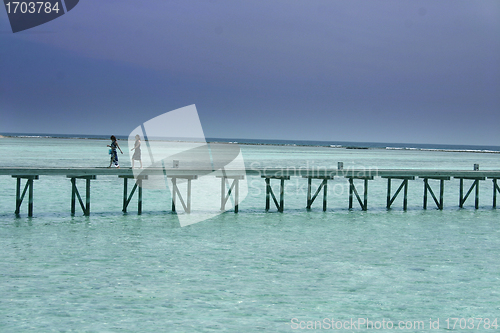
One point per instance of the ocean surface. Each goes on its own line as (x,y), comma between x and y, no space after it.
(252,271)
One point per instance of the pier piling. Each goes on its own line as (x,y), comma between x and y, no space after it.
(127,197)
(404,185)
(323,185)
(175,192)
(28,187)
(475,185)
(269,192)
(352,190)
(427,188)
(495,190)
(235,186)
(74,194)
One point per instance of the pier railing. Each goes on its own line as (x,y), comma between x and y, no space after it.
(29,175)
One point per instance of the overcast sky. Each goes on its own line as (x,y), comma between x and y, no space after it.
(383,71)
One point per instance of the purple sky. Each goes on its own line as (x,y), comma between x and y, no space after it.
(387,71)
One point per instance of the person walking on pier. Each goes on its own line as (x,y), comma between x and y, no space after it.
(114,155)
(137,152)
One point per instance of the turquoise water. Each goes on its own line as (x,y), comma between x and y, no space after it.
(246,272)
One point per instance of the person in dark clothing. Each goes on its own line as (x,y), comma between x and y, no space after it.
(112,151)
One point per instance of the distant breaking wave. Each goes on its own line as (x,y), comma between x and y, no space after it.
(275,142)
(448,150)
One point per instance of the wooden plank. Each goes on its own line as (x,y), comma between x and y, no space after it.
(139,199)
(125,193)
(19,199)
(87,197)
(435,177)
(471,178)
(320,177)
(282,195)
(30,197)
(309,184)
(399,177)
(237,196)
(325,193)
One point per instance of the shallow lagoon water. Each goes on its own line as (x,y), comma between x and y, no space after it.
(246,272)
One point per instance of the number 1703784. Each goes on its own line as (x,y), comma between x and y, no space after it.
(32,7)
(471,323)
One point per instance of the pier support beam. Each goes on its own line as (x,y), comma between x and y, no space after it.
(495,190)
(127,197)
(28,187)
(75,194)
(269,192)
(427,188)
(310,199)
(475,185)
(352,189)
(175,192)
(404,185)
(234,187)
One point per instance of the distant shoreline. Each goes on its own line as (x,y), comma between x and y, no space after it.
(291,143)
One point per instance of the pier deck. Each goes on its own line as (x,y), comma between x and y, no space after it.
(282,174)
(271,172)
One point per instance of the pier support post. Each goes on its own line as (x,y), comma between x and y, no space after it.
(352,190)
(269,192)
(310,199)
(475,185)
(175,192)
(74,194)
(496,189)
(234,187)
(404,185)
(28,187)
(127,197)
(427,188)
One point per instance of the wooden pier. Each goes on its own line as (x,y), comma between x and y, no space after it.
(30,175)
